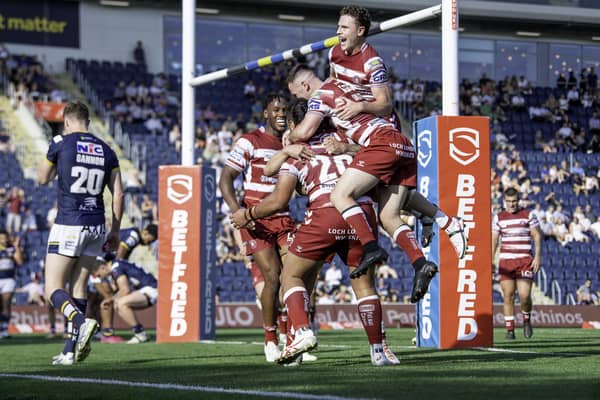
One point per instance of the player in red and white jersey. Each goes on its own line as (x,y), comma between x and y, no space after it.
(322,234)
(265,240)
(515,227)
(386,160)
(358,63)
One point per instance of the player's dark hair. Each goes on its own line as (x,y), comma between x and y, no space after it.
(296,110)
(510,192)
(360,14)
(271,97)
(297,70)
(77,110)
(4,232)
(106,257)
(152,229)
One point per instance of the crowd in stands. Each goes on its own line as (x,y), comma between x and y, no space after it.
(526,122)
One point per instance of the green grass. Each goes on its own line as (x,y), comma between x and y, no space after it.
(554,364)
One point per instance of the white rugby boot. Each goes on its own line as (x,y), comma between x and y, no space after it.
(378,356)
(140,337)
(304,340)
(63,359)
(458,236)
(389,354)
(272,352)
(83,347)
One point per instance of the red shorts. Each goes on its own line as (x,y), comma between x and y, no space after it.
(267,233)
(516,268)
(390,156)
(326,233)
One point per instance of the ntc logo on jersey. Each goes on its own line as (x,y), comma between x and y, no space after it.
(425,150)
(464,145)
(379,75)
(89,148)
(179,188)
(314,104)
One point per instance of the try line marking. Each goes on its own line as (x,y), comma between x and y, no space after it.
(544,353)
(206,389)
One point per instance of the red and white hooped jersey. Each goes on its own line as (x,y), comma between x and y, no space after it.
(249,156)
(515,232)
(365,68)
(333,92)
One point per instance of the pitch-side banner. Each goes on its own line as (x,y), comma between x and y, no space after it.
(454,172)
(186,259)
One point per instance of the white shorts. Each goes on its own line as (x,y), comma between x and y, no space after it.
(151,293)
(76,240)
(7,285)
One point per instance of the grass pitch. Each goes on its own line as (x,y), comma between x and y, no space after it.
(554,364)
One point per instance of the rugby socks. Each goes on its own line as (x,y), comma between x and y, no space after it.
(108,332)
(442,219)
(405,238)
(67,306)
(296,300)
(4,321)
(356,218)
(270,333)
(526,316)
(72,333)
(138,328)
(369,310)
(81,304)
(509,322)
(282,323)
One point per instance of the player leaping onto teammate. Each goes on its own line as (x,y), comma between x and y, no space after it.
(314,242)
(386,160)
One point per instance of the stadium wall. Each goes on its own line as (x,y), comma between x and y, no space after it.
(242,315)
(107,33)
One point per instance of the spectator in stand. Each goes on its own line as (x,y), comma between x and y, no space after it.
(576,232)
(249,89)
(153,124)
(587,100)
(563,173)
(224,139)
(517,101)
(573,96)
(139,55)
(561,232)
(595,228)
(383,290)
(333,278)
(546,227)
(593,145)
(131,91)
(594,123)
(592,79)
(590,184)
(29,220)
(385,271)
(563,103)
(586,295)
(175,137)
(577,170)
(572,81)
(3,202)
(148,208)
(16,201)
(561,81)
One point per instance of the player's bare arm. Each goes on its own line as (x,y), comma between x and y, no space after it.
(116,188)
(18,255)
(122,286)
(307,128)
(123,251)
(382,106)
(537,240)
(226,180)
(46,172)
(336,147)
(298,151)
(495,237)
(274,202)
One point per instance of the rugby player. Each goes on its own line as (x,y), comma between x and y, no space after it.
(11,256)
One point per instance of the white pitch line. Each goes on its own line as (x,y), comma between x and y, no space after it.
(207,389)
(544,353)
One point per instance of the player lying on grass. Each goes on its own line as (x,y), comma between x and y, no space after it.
(322,234)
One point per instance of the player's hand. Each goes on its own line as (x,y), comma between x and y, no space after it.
(106,304)
(348,109)
(333,146)
(299,151)
(285,138)
(239,220)
(536,264)
(112,242)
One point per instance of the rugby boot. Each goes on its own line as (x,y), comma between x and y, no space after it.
(140,337)
(63,359)
(527,329)
(304,341)
(379,358)
(83,347)
(458,236)
(371,258)
(510,335)
(426,230)
(307,357)
(423,276)
(272,352)
(389,354)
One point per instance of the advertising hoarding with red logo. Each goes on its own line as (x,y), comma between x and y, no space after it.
(454,168)
(187,227)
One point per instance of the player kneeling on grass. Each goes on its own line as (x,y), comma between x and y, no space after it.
(136,290)
(322,234)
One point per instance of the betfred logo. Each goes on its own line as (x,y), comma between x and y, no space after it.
(179,188)
(89,148)
(425,149)
(464,145)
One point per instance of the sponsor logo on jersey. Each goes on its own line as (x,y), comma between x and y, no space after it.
(179,188)
(464,145)
(314,104)
(379,76)
(89,148)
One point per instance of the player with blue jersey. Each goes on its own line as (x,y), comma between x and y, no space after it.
(130,238)
(136,290)
(85,165)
